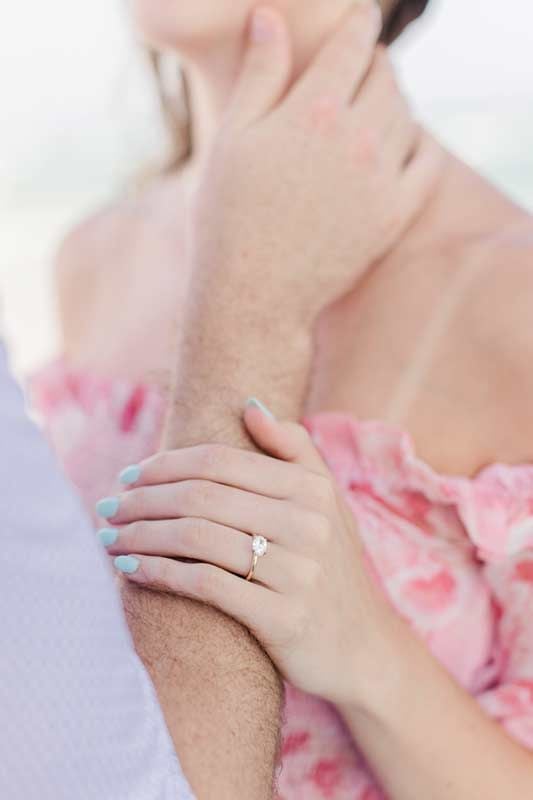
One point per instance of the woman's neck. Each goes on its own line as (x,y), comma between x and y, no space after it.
(464,207)
(412,344)
(463,204)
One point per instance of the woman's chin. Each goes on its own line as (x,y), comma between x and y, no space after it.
(186,26)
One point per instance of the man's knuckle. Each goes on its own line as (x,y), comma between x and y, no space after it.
(324,114)
(366,147)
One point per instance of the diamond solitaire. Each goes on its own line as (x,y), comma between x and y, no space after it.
(259,546)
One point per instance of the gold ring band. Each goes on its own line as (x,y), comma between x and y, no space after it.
(259,549)
(255,559)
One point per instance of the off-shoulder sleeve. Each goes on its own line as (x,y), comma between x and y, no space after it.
(510,699)
(454,554)
(495,508)
(79,714)
(96,424)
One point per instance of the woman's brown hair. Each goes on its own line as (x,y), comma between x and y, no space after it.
(177,112)
(404,12)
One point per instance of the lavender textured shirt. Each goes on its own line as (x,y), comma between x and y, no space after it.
(78,714)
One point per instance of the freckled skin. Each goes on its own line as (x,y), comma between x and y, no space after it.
(368,345)
(365,148)
(324,115)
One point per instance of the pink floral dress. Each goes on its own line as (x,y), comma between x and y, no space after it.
(455,557)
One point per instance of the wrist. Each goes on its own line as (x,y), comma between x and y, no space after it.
(232,349)
(261,296)
(381,666)
(239,319)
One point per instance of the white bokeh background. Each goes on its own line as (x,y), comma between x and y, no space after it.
(77,117)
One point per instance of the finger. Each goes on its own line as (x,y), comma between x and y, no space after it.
(253,472)
(207,542)
(295,527)
(266,70)
(343,62)
(382,106)
(254,606)
(419,180)
(280,521)
(283,440)
(401,142)
(379,97)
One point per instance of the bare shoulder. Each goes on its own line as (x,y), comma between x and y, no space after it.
(87,253)
(114,253)
(504,288)
(99,243)
(473,407)
(501,318)
(86,241)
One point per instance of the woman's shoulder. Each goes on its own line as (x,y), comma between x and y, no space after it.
(102,254)
(115,228)
(78,265)
(497,325)
(505,284)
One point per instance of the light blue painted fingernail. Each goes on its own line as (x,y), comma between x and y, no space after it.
(108,507)
(108,536)
(253,402)
(127,564)
(130,475)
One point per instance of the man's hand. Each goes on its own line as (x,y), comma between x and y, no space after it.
(311,181)
(306,187)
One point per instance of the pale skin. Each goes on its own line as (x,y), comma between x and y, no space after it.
(393,392)
(314,607)
(264,103)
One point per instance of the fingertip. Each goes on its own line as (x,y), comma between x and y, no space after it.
(127,565)
(254,403)
(264,429)
(259,420)
(107,536)
(130,475)
(372,8)
(266,68)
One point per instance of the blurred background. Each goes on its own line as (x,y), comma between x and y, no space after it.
(78,118)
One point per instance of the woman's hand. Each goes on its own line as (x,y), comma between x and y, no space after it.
(311,604)
(312,180)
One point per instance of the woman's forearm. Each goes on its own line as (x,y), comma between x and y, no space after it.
(425,737)
(220,692)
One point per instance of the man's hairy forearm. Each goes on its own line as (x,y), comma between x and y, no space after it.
(219,691)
